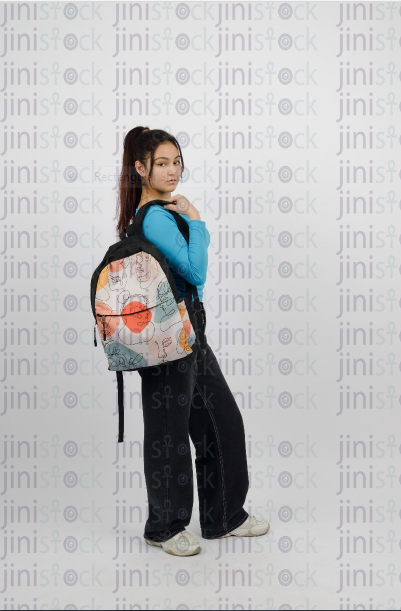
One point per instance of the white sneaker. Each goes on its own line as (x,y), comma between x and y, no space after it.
(182,544)
(252,527)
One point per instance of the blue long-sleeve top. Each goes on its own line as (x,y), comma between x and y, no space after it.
(186,260)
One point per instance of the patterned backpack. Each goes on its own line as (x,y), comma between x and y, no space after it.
(141,319)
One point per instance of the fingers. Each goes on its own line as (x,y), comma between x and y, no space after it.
(182,205)
(177,198)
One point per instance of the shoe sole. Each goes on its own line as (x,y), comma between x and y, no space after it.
(157,544)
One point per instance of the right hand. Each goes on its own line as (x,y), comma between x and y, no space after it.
(183,206)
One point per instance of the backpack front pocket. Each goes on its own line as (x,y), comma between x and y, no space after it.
(146,336)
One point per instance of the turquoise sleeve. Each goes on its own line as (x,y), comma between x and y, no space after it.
(188,260)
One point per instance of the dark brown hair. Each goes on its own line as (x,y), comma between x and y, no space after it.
(139,145)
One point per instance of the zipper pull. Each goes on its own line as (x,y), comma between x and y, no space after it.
(104,328)
(94,336)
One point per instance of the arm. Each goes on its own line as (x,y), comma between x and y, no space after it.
(188,260)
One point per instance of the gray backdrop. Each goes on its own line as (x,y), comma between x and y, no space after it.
(288,115)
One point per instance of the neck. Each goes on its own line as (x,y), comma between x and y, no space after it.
(146,198)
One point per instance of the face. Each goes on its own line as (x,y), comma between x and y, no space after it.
(166,167)
(144,266)
(166,297)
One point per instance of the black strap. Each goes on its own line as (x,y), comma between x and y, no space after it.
(190,289)
(120,391)
(136,227)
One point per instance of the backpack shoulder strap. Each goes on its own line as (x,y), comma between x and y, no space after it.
(120,392)
(136,225)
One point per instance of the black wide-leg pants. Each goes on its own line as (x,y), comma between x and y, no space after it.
(190,398)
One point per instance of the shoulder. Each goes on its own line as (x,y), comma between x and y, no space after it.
(160,214)
(159,222)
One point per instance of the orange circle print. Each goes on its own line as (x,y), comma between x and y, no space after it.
(136,316)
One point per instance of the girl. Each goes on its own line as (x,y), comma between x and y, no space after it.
(186,398)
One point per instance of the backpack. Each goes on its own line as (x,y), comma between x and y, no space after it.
(141,319)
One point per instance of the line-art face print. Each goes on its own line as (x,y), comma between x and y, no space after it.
(143,323)
(120,356)
(117,275)
(167,303)
(145,268)
(177,337)
(122,298)
(163,345)
(169,322)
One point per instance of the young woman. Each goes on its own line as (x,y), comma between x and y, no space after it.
(186,398)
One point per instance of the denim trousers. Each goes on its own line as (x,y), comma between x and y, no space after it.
(190,399)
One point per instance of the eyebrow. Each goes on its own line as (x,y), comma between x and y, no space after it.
(166,158)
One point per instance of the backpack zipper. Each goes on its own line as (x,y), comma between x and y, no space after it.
(103,316)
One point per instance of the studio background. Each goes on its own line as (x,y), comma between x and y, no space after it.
(288,115)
